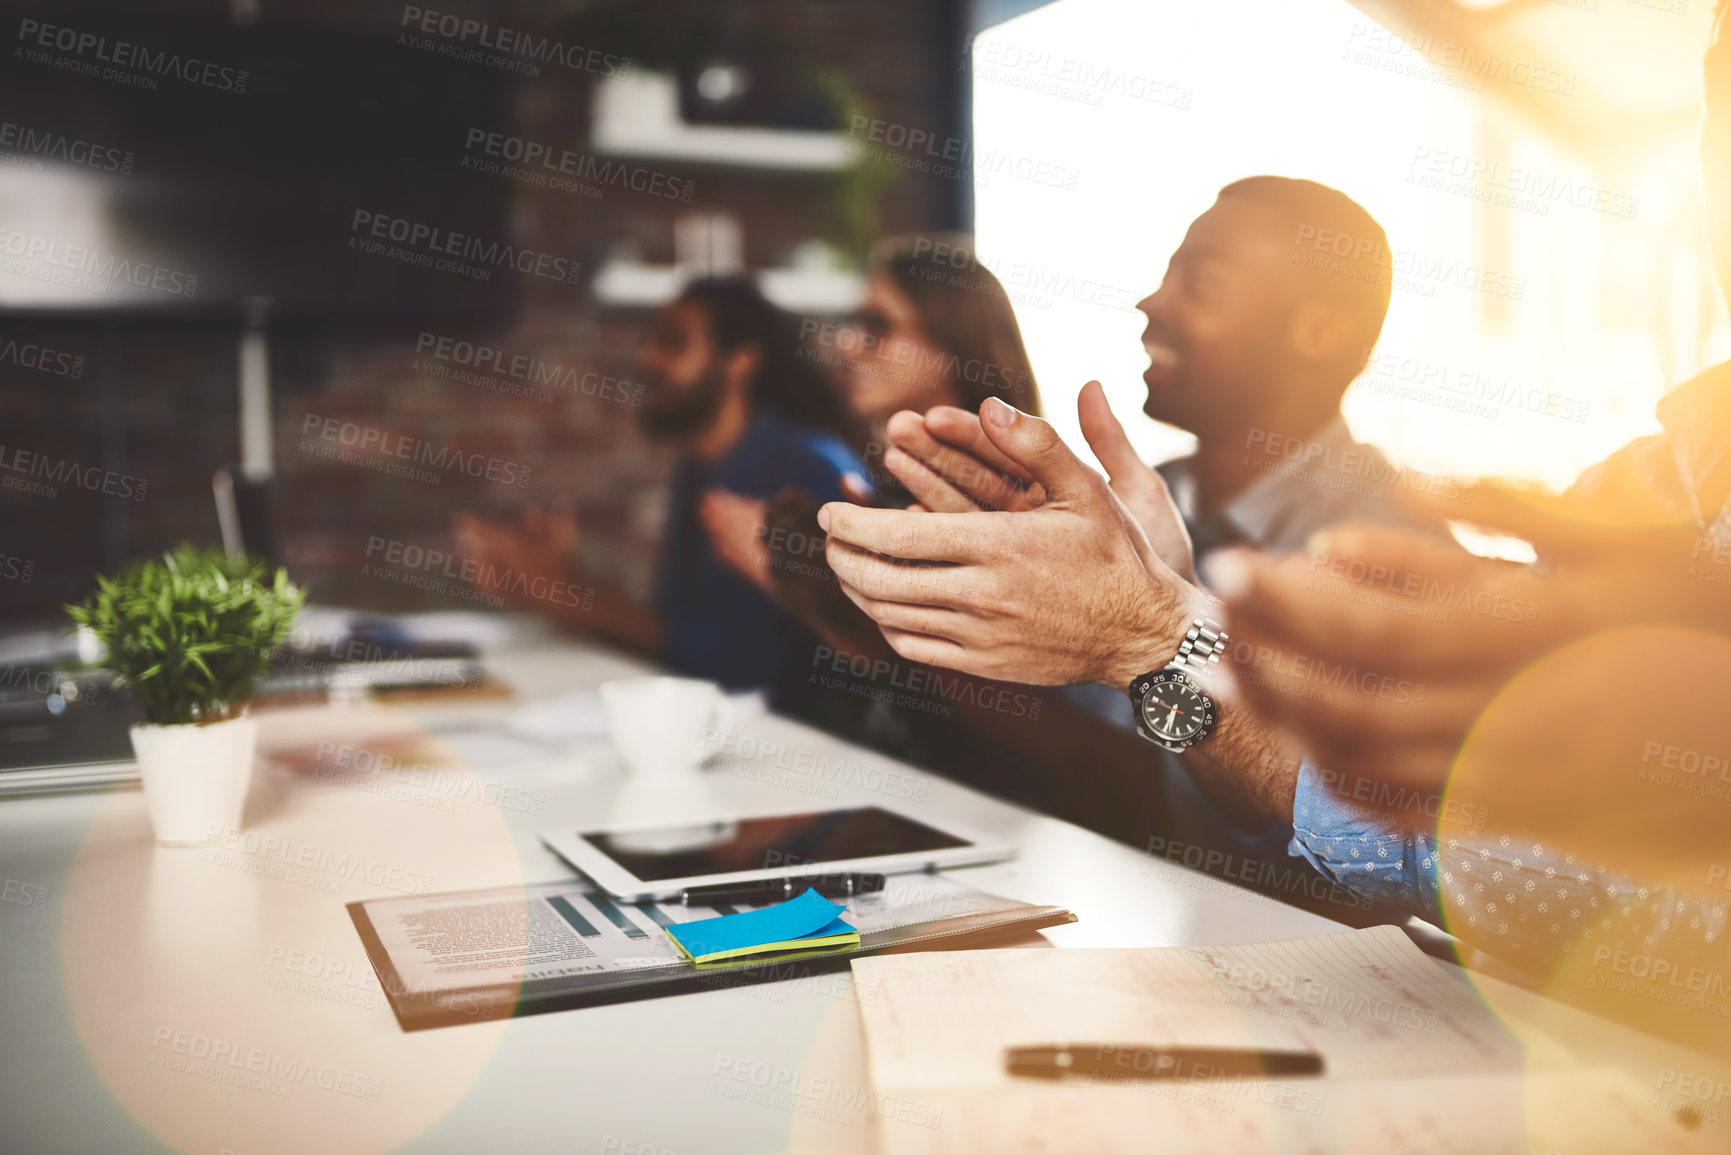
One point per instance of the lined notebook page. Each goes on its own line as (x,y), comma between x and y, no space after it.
(1369,1001)
(1416,1063)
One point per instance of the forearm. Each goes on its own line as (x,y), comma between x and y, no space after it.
(1248,760)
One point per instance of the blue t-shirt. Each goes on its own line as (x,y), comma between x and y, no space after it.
(717,624)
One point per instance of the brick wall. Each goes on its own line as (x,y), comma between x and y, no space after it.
(158,399)
(576,444)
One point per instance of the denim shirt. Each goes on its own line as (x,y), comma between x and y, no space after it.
(1508,894)
(718,624)
(1511,896)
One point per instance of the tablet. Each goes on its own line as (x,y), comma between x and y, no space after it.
(654,863)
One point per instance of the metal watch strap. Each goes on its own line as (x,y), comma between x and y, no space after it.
(1202,645)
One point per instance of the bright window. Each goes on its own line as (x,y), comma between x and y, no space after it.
(1150,106)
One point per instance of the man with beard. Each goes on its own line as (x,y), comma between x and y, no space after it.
(724,383)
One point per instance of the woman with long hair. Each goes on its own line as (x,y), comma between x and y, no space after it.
(935,328)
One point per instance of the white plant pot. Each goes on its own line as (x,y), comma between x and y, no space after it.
(195,778)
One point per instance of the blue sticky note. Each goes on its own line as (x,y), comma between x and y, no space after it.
(807,921)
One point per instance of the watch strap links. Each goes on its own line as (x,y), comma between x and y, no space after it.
(1202,646)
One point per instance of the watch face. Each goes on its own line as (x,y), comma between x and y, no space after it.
(1175,711)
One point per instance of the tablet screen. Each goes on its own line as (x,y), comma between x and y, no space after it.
(768,843)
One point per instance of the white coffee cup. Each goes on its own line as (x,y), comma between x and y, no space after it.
(664,725)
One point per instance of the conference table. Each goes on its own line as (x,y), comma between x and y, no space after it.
(144,985)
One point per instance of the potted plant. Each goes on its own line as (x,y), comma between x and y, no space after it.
(189,634)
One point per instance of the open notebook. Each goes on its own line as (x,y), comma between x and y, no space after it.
(1415,1061)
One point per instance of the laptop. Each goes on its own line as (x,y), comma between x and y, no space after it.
(64,727)
(62,731)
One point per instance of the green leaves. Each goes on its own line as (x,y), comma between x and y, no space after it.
(191,633)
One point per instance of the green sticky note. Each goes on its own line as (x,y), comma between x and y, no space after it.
(808,922)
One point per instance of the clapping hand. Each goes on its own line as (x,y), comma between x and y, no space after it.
(950,465)
(507,558)
(1065,589)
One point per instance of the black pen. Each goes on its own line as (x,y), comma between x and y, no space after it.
(1113,1061)
(832,886)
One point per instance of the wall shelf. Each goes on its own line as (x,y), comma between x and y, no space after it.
(637,115)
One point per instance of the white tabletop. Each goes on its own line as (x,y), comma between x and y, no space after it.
(166,999)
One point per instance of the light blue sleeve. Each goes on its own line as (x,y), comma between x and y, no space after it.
(1359,849)
(1509,896)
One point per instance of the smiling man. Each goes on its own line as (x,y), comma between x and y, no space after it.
(1268,311)
(1073,583)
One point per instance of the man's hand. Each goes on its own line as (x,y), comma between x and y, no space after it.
(1413,633)
(736,529)
(540,545)
(949,464)
(1631,561)
(1142,490)
(1567,706)
(1442,631)
(1068,591)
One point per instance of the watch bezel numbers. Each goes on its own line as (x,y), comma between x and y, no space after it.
(1147,682)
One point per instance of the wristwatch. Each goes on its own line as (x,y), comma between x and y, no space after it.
(1172,709)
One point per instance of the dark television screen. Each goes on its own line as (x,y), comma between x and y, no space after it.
(240,158)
